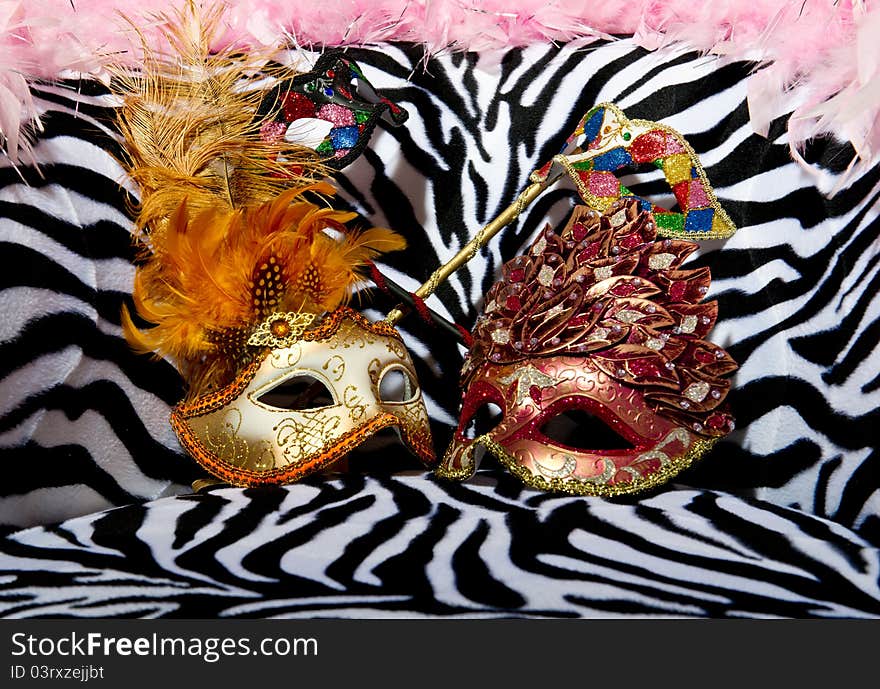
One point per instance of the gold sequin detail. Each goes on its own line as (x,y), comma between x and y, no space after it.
(696,392)
(603,272)
(677,168)
(629,316)
(574,487)
(618,218)
(660,261)
(688,324)
(500,336)
(545,276)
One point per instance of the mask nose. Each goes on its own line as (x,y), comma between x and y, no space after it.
(476,427)
(462,458)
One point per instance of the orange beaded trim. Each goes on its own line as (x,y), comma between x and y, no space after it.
(333,320)
(215,400)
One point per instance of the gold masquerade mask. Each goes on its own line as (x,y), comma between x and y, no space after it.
(251,433)
(246,270)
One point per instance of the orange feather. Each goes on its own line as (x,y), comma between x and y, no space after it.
(231,225)
(201,282)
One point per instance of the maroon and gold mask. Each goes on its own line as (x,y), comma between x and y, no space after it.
(593,346)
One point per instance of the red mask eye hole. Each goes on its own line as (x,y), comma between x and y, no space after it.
(483,420)
(580,430)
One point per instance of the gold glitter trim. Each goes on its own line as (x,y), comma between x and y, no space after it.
(660,262)
(575,487)
(454,474)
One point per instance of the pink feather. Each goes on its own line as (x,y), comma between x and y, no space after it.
(818,59)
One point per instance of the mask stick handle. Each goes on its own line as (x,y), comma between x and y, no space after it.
(469,250)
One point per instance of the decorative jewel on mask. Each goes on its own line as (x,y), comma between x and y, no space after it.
(281,330)
(332,109)
(599,321)
(611,142)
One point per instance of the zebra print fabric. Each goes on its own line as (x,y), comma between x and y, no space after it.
(781,519)
(401,545)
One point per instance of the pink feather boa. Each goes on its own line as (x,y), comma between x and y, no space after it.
(819,58)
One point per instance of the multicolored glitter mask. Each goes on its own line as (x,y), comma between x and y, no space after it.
(332,109)
(596,324)
(246,270)
(610,142)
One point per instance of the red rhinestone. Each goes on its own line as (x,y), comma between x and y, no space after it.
(648,147)
(677,290)
(517,275)
(578,232)
(644,368)
(681,191)
(630,241)
(704,357)
(513,304)
(716,421)
(591,251)
(535,393)
(623,289)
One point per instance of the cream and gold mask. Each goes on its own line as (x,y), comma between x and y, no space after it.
(246,434)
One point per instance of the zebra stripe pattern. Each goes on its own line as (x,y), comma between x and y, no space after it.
(406,547)
(781,519)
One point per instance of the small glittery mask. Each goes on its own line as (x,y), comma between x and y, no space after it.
(310,396)
(608,142)
(332,109)
(592,345)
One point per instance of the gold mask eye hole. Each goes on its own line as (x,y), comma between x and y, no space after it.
(298,393)
(397,386)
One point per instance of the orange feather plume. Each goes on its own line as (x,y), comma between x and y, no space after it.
(218,273)
(233,226)
(189,120)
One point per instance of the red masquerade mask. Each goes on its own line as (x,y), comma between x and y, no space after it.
(596,323)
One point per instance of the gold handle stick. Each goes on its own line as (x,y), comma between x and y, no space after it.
(469,250)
